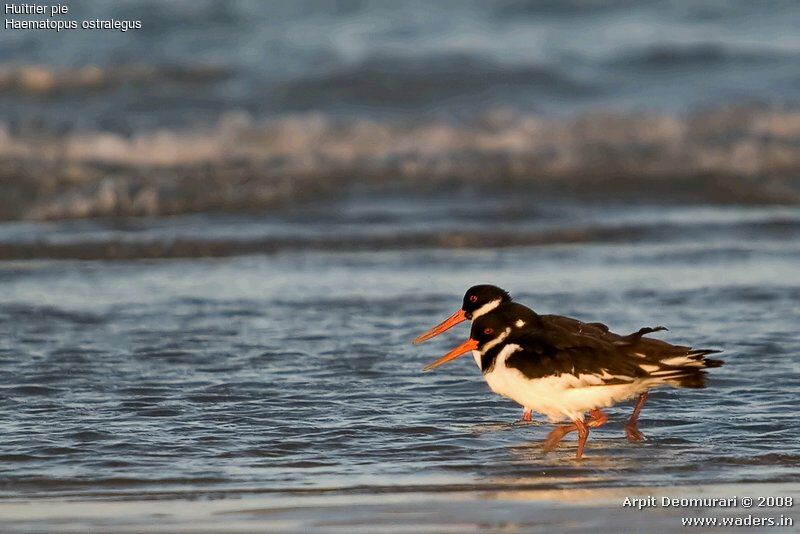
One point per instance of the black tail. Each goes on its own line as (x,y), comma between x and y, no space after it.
(680,367)
(692,374)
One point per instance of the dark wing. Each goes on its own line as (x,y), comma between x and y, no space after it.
(651,353)
(596,329)
(595,361)
(556,352)
(574,325)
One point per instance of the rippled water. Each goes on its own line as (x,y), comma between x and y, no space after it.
(316,184)
(293,371)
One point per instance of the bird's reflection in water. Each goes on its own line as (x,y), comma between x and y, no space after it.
(486,428)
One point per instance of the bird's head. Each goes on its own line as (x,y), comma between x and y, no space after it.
(488,331)
(478,301)
(481,299)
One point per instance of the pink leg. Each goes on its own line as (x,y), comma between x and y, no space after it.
(556,435)
(632,426)
(597,419)
(583,435)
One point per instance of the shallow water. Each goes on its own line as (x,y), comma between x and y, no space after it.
(293,371)
(316,183)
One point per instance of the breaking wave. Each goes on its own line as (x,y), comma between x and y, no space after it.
(738,154)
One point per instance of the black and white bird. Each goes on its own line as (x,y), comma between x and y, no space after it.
(484,298)
(563,374)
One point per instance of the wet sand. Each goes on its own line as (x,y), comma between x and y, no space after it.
(577,510)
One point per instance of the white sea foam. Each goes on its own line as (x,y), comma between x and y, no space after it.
(734,154)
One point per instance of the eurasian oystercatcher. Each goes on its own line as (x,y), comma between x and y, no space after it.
(564,374)
(483,298)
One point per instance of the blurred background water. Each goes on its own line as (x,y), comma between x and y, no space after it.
(221,231)
(252,106)
(195,60)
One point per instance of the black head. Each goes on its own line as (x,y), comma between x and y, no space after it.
(488,330)
(492,328)
(480,299)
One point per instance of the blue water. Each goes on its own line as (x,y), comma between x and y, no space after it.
(194,61)
(293,370)
(342,172)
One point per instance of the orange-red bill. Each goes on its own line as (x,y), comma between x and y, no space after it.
(445,325)
(465,347)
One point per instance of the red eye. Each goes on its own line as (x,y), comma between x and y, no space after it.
(473,298)
(487,330)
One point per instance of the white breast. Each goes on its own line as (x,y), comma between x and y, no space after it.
(558,397)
